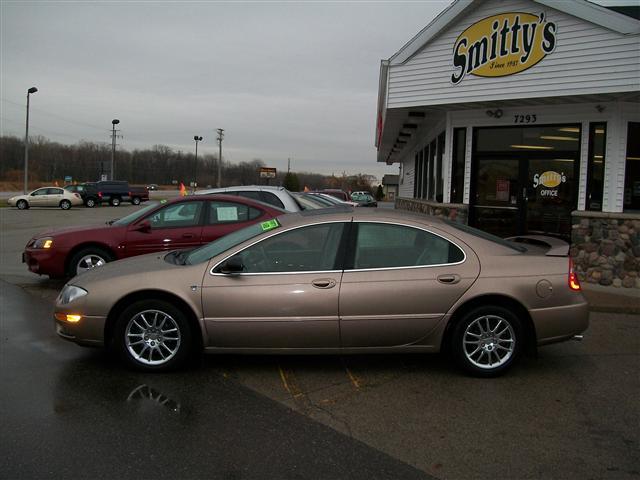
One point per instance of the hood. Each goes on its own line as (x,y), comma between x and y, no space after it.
(144,271)
(53,232)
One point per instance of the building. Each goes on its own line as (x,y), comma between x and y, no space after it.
(523,117)
(390,187)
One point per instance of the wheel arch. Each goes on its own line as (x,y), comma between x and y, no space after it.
(82,246)
(499,300)
(124,302)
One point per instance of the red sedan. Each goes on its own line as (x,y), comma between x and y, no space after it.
(178,224)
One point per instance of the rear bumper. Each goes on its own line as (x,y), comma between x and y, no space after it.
(557,324)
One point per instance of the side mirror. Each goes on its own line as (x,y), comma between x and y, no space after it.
(144,227)
(232,265)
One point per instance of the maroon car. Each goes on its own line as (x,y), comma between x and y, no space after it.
(183,223)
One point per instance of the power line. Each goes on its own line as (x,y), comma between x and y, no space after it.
(55,115)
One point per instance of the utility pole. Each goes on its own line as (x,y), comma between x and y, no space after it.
(114,122)
(26,143)
(220,137)
(288,165)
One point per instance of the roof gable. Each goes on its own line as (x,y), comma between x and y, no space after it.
(582,9)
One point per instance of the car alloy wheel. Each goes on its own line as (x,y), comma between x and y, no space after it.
(22,205)
(135,201)
(90,203)
(153,335)
(115,202)
(88,259)
(65,204)
(487,341)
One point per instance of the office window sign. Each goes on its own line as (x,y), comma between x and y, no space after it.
(549,182)
(503,45)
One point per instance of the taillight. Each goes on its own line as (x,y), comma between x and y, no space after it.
(100,194)
(129,193)
(574,283)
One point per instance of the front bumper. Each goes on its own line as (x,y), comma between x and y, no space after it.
(44,261)
(88,331)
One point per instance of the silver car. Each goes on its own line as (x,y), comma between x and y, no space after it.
(46,197)
(339,281)
(277,196)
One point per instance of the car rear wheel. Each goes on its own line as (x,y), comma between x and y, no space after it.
(65,204)
(90,203)
(22,205)
(115,201)
(487,341)
(153,335)
(135,201)
(88,258)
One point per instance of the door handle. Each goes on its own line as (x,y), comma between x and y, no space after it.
(324,283)
(187,235)
(449,279)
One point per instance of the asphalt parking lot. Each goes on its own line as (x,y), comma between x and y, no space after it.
(572,412)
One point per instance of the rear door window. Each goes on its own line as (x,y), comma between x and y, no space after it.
(272,199)
(228,212)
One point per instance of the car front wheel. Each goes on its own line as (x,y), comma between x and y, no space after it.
(115,201)
(90,203)
(86,259)
(153,335)
(135,201)
(65,204)
(22,205)
(487,341)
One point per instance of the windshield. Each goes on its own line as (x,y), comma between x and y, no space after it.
(132,217)
(210,250)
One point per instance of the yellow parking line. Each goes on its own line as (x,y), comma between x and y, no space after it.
(353,378)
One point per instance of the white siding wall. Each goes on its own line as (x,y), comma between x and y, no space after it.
(587,59)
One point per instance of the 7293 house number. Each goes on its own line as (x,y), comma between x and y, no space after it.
(525,119)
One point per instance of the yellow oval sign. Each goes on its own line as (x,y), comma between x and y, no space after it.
(550,179)
(503,45)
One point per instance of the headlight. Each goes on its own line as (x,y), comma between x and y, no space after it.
(44,242)
(71,293)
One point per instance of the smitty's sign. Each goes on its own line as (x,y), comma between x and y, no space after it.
(503,45)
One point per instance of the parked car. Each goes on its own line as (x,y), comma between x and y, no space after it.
(309,202)
(46,197)
(186,222)
(88,192)
(152,186)
(364,199)
(277,196)
(353,280)
(115,192)
(335,192)
(332,199)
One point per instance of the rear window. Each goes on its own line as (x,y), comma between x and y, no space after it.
(486,236)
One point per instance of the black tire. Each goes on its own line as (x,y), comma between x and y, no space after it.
(161,341)
(65,204)
(487,341)
(90,202)
(82,259)
(135,201)
(22,205)
(115,201)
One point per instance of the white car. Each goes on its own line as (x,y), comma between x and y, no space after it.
(46,197)
(277,196)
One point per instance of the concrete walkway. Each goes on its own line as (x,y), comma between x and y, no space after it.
(611,299)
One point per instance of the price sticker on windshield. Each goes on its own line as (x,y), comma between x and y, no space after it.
(269,225)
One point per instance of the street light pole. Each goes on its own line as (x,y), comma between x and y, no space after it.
(220,137)
(195,170)
(114,122)
(26,143)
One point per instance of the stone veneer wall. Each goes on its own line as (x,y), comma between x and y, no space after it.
(453,211)
(606,248)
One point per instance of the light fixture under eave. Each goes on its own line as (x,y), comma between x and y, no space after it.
(557,137)
(531,147)
(633,158)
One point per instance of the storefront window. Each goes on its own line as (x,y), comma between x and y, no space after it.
(441,139)
(595,166)
(632,169)
(457,167)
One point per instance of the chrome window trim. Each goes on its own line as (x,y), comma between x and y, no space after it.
(211,270)
(407,267)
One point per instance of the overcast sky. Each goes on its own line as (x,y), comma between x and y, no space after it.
(284,80)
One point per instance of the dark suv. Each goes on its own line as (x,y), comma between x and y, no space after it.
(113,192)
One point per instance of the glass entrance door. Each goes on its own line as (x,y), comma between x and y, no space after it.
(525,180)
